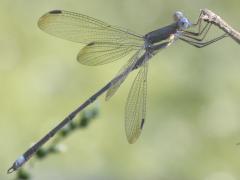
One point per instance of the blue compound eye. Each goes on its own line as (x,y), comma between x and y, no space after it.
(183,23)
(177,15)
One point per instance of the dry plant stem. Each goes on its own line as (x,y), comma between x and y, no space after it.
(209,16)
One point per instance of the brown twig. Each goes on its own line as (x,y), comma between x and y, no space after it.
(209,16)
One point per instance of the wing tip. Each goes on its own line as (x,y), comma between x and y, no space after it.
(42,20)
(134,138)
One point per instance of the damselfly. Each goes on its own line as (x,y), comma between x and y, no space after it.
(105,44)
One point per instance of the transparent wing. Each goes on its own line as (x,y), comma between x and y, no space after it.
(97,53)
(116,84)
(81,28)
(135,111)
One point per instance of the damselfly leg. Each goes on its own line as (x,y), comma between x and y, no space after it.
(200,35)
(197,38)
(203,44)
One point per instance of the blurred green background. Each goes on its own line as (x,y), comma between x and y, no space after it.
(193,115)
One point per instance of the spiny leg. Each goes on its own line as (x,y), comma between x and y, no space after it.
(199,31)
(199,19)
(194,36)
(203,44)
(199,24)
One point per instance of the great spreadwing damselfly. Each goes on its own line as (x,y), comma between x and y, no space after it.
(105,44)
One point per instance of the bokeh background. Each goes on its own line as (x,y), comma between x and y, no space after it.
(193,115)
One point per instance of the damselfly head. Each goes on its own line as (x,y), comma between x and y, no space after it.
(182,22)
(177,16)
